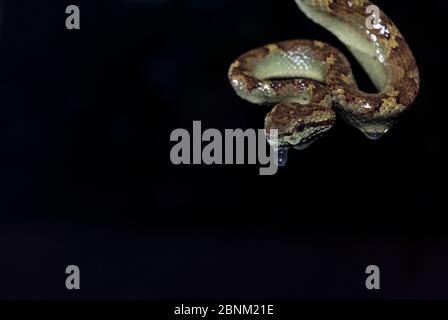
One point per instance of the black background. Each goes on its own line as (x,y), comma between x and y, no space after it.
(86,177)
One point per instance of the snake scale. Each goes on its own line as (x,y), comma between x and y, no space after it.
(307,81)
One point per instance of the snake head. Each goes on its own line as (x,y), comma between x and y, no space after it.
(298,125)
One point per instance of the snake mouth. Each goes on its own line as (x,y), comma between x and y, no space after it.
(375,135)
(283,147)
(322,130)
(303,146)
(300,140)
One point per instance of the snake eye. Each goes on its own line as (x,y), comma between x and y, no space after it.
(300,127)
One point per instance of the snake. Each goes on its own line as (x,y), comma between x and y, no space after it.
(310,83)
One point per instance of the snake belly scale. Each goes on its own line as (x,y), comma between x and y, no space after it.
(308,81)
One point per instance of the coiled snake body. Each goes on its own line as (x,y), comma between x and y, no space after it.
(307,80)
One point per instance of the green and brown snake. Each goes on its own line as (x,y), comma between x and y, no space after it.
(308,81)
